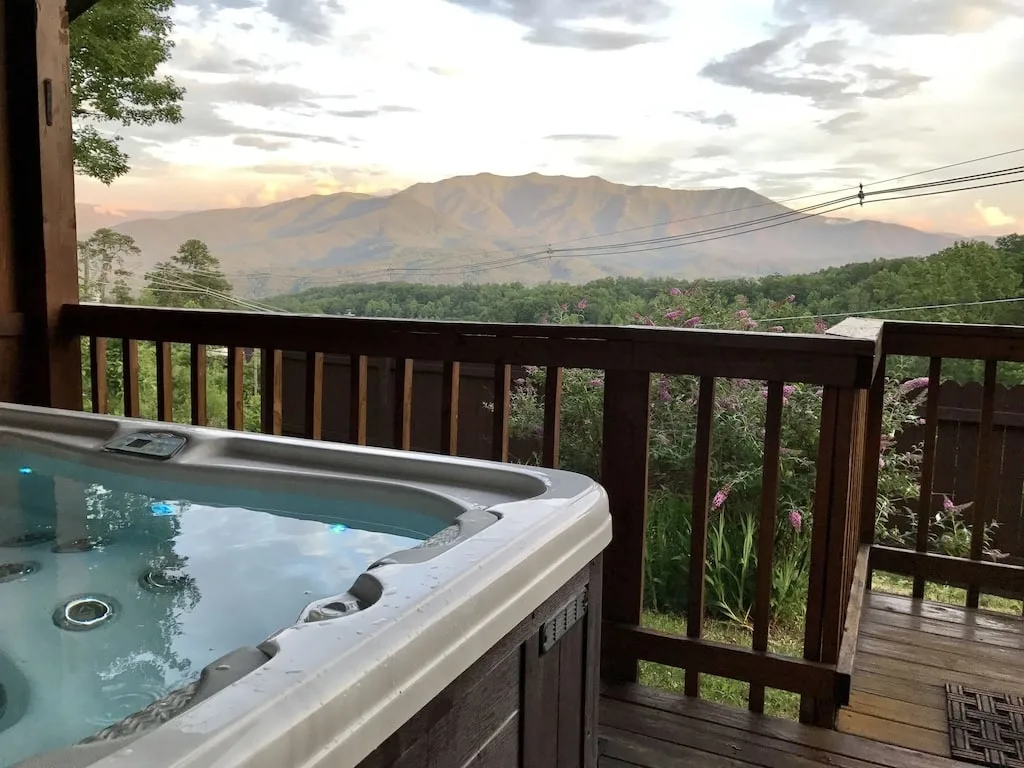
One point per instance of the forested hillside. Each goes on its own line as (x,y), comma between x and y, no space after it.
(961,275)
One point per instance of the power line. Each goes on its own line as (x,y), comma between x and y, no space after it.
(889,310)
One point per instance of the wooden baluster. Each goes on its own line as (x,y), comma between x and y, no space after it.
(931,431)
(624,451)
(164,382)
(403,404)
(502,411)
(130,375)
(699,525)
(314,420)
(872,453)
(98,373)
(271,361)
(983,472)
(766,529)
(552,416)
(833,506)
(198,377)
(358,370)
(819,540)
(236,388)
(450,409)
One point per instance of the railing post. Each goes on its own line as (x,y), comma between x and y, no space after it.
(624,476)
(841,485)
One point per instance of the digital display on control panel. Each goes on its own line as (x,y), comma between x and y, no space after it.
(153,445)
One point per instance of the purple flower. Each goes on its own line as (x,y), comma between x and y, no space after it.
(674,291)
(565,307)
(947,503)
(720,497)
(796,519)
(776,329)
(596,382)
(820,326)
(693,321)
(790,299)
(538,431)
(663,390)
(581,304)
(913,384)
(743,314)
(675,314)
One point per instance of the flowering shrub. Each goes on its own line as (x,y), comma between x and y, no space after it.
(737,457)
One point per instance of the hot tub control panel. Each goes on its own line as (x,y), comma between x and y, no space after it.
(152,445)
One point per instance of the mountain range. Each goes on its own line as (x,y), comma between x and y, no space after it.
(489,228)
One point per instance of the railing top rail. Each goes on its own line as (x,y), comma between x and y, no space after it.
(954,340)
(816,359)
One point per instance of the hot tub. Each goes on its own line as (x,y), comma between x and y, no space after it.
(193,597)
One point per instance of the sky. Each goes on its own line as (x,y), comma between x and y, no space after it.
(287,98)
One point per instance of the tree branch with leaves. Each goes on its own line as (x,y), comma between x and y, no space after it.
(117,47)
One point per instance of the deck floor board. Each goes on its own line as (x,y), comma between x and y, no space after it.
(908,650)
(646,728)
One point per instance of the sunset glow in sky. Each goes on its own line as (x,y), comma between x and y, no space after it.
(287,98)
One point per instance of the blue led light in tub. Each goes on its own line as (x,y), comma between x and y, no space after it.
(25,471)
(161,509)
(339,528)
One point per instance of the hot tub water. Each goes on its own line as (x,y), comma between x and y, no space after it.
(112,596)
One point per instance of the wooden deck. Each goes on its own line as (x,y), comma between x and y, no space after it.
(644,728)
(908,650)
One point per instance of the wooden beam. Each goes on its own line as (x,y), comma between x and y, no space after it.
(41,198)
(955,571)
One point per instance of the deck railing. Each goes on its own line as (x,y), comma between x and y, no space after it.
(842,366)
(939,342)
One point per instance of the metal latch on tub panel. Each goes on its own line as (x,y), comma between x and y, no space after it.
(565,618)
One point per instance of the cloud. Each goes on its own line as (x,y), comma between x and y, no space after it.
(886,17)
(581,137)
(260,143)
(711,150)
(722,119)
(841,123)
(992,215)
(571,23)
(654,169)
(192,57)
(259,93)
(827,52)
(779,66)
(308,20)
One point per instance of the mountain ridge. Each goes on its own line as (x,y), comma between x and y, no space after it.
(486,227)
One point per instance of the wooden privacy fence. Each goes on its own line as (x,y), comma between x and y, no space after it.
(842,367)
(956,452)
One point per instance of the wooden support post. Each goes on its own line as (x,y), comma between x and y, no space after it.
(37,204)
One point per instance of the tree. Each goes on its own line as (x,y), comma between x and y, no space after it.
(116,48)
(192,278)
(101,270)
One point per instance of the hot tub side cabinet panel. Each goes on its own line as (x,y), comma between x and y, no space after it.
(529,702)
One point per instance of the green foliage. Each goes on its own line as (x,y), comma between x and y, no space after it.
(116,48)
(102,275)
(192,278)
